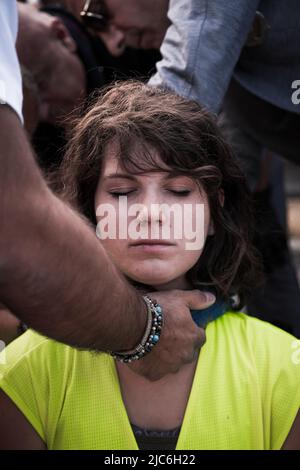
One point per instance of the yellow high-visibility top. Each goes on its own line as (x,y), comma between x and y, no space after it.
(245,394)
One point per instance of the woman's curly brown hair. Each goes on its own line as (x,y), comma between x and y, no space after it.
(143,119)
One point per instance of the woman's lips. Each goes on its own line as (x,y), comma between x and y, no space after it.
(151,241)
(151,246)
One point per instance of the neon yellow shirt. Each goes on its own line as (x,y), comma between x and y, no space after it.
(245,394)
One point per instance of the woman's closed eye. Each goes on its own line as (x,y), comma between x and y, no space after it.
(121,192)
(177,192)
(126,192)
(180,192)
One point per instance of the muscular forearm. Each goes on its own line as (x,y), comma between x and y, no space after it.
(54,273)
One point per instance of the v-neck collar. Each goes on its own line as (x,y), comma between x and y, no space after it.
(191,408)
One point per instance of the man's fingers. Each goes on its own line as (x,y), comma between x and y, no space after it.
(181,338)
(198,300)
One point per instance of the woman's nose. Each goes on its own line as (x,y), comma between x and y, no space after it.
(114,39)
(151,212)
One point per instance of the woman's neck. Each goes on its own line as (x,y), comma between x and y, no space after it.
(179,283)
(168,396)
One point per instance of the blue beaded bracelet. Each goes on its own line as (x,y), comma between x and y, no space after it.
(151,336)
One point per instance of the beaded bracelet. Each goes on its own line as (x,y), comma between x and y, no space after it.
(151,336)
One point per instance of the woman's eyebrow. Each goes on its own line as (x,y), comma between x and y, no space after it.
(168,175)
(119,175)
(174,174)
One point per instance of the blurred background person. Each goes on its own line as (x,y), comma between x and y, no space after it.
(47,50)
(67,62)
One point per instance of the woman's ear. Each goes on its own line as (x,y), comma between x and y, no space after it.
(59,31)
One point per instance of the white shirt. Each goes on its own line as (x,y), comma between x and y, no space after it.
(10,74)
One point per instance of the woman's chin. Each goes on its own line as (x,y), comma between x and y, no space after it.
(152,280)
(162,282)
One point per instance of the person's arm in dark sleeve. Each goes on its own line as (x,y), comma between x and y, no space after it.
(202,47)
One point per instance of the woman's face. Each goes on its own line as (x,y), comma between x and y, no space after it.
(153,225)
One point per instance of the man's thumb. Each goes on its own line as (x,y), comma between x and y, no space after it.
(198,300)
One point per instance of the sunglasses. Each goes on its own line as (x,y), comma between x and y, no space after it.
(98,19)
